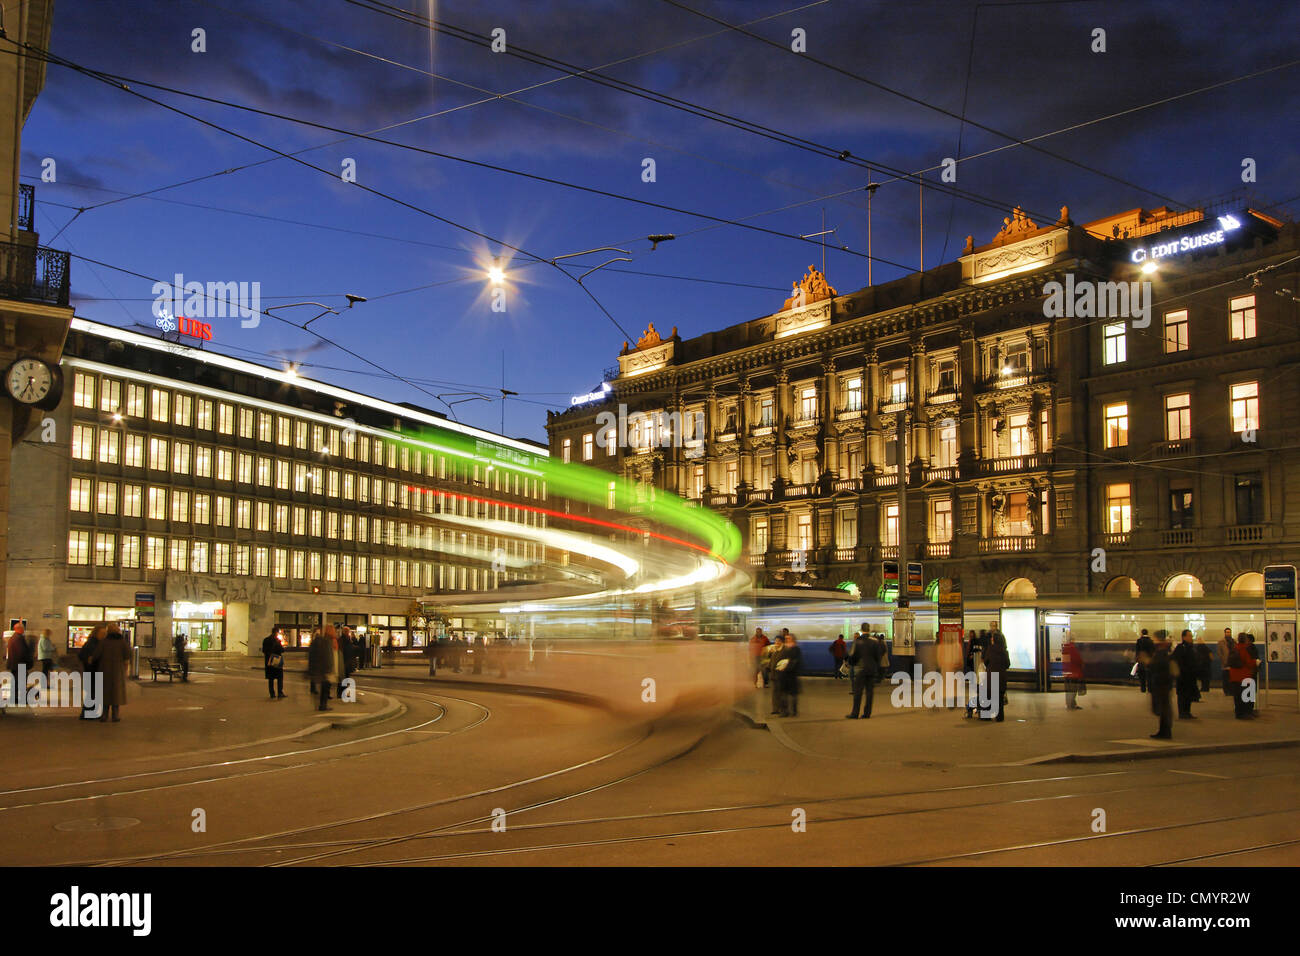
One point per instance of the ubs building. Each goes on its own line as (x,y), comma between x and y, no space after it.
(181,491)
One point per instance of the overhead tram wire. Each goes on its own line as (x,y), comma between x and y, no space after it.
(120,83)
(749,126)
(123,83)
(875,84)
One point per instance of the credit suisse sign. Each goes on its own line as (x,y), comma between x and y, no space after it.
(1203,236)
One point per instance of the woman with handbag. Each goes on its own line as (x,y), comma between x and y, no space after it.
(273,659)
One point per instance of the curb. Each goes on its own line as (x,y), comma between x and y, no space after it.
(395,708)
(1175,750)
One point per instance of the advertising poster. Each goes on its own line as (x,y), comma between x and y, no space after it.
(1280,646)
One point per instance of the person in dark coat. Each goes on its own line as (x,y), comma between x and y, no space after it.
(1161,674)
(838,652)
(997,661)
(775,650)
(1144,648)
(111,659)
(974,662)
(1242,672)
(1203,664)
(788,668)
(181,646)
(1189,669)
(865,659)
(273,661)
(86,655)
(321,664)
(1072,671)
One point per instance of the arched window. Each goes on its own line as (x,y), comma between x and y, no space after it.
(1247,584)
(1020,589)
(1184,586)
(1123,587)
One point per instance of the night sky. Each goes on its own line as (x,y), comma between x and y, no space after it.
(306,235)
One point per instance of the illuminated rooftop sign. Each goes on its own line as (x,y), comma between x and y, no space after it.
(591,396)
(1188,243)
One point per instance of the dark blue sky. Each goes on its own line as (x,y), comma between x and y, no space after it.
(1032,72)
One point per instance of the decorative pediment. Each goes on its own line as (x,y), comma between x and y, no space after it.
(805,319)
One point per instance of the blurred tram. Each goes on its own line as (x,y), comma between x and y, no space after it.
(1104,629)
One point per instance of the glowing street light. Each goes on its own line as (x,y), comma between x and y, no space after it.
(496,273)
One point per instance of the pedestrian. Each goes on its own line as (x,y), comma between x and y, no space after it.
(757,644)
(181,646)
(1161,674)
(46,652)
(343,662)
(1143,650)
(1226,648)
(838,652)
(358,649)
(86,655)
(773,656)
(788,668)
(111,659)
(1203,664)
(948,657)
(864,658)
(971,662)
(432,653)
(1241,672)
(273,661)
(1189,669)
(1072,671)
(16,652)
(996,664)
(315,634)
(322,664)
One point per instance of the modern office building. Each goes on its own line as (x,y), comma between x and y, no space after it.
(1081,410)
(185,491)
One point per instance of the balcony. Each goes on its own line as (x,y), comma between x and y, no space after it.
(610,373)
(1117,539)
(849,412)
(722,500)
(1245,534)
(888,552)
(26,206)
(1179,537)
(759,494)
(946,473)
(942,395)
(762,428)
(726,433)
(850,555)
(996,466)
(33,273)
(893,403)
(1009,544)
(938,549)
(807,421)
(1179,448)
(799,491)
(885,480)
(846,484)
(1014,379)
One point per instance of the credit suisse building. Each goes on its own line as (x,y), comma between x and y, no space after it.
(1046,426)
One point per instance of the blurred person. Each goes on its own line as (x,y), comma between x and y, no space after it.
(948,659)
(322,665)
(838,652)
(1072,671)
(17,652)
(273,663)
(347,658)
(1143,650)
(45,651)
(1161,674)
(788,668)
(773,656)
(971,662)
(432,653)
(757,644)
(111,659)
(1204,664)
(1189,669)
(315,633)
(1242,666)
(997,661)
(341,648)
(865,659)
(1226,648)
(87,654)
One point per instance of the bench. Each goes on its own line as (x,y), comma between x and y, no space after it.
(161,665)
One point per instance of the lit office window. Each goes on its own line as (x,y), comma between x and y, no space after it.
(155,553)
(345,568)
(281,517)
(265,427)
(280,563)
(808,402)
(1245,406)
(890,530)
(226,419)
(803,533)
(202,508)
(180,506)
(1242,317)
(1176,326)
(199,558)
(105,549)
(83,390)
(244,514)
(132,496)
(588,446)
(1178,417)
(245,423)
(110,395)
(242,563)
(223,511)
(313,566)
(225,461)
(135,400)
(298,565)
(106,498)
(853,394)
(182,410)
(566,450)
(130,551)
(244,468)
(80,497)
(203,418)
(1115,342)
(1116,417)
(134,457)
(181,458)
(158,455)
(220,558)
(157,504)
(264,471)
(941,520)
(261,562)
(202,462)
(282,430)
(264,515)
(1119,514)
(299,520)
(160,405)
(179,559)
(299,434)
(83,442)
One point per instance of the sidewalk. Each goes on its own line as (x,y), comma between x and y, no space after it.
(1114,724)
(212,712)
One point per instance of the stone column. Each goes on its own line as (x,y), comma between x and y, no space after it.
(782,393)
(873,447)
(746,450)
(968,422)
(830,446)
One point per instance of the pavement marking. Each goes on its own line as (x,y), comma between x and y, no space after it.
(1146,742)
(1197,773)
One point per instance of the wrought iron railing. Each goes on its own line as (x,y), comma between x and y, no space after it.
(33,273)
(26,206)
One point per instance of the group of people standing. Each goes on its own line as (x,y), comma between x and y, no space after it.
(333,656)
(778,663)
(1184,672)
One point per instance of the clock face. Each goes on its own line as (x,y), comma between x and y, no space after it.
(29,380)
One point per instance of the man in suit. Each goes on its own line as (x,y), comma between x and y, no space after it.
(1161,674)
(865,659)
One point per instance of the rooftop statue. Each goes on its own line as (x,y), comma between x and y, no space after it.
(812,288)
(1017,227)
